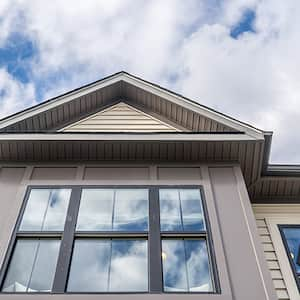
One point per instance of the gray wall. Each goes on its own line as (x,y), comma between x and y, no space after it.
(242,269)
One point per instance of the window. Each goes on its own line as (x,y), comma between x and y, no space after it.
(291,239)
(111,240)
(38,238)
(110,248)
(186,266)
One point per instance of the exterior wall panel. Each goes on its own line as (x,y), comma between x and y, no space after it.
(45,173)
(10,202)
(243,255)
(239,264)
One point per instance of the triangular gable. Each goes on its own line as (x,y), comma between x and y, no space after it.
(120,117)
(66,109)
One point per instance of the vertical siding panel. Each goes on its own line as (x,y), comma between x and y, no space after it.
(190,119)
(173,113)
(184,117)
(171,152)
(196,122)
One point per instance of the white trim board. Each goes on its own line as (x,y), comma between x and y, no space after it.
(124,137)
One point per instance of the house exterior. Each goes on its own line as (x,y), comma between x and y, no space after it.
(122,189)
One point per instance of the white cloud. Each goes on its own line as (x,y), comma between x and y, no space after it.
(184,45)
(14,96)
(254,78)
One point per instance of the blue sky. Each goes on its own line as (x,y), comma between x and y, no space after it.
(245,24)
(237,56)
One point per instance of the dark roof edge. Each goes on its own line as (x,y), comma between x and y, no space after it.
(190,100)
(62,95)
(138,78)
(283,170)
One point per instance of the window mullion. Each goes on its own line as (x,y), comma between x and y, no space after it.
(155,264)
(65,252)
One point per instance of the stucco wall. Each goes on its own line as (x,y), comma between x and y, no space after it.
(242,269)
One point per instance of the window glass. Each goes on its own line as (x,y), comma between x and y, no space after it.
(181,210)
(113,210)
(192,211)
(109,266)
(185,266)
(46,210)
(95,212)
(131,210)
(32,266)
(292,237)
(170,212)
(90,266)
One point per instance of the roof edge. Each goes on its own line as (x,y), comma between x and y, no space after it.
(129,78)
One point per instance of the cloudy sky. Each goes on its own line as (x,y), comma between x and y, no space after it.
(240,57)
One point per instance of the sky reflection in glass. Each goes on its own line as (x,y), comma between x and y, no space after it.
(181,210)
(109,266)
(32,267)
(185,266)
(46,210)
(113,210)
(292,236)
(95,212)
(131,210)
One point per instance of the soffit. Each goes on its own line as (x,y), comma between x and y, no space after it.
(275,189)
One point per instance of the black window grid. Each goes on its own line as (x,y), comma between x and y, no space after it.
(154,237)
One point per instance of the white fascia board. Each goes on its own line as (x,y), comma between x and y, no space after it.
(125,137)
(195,107)
(255,133)
(60,100)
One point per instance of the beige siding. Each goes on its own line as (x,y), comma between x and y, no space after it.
(120,118)
(271,255)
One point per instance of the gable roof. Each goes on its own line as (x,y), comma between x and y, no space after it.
(67,108)
(37,133)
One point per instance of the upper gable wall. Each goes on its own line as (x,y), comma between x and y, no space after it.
(120,118)
(81,107)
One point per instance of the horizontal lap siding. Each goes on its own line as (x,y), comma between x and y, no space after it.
(271,258)
(118,118)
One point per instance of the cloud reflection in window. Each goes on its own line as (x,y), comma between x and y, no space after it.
(186,266)
(32,267)
(113,210)
(109,266)
(181,210)
(46,210)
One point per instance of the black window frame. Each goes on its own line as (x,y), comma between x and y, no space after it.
(153,236)
(287,251)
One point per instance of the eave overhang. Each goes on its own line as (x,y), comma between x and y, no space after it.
(135,147)
(208,135)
